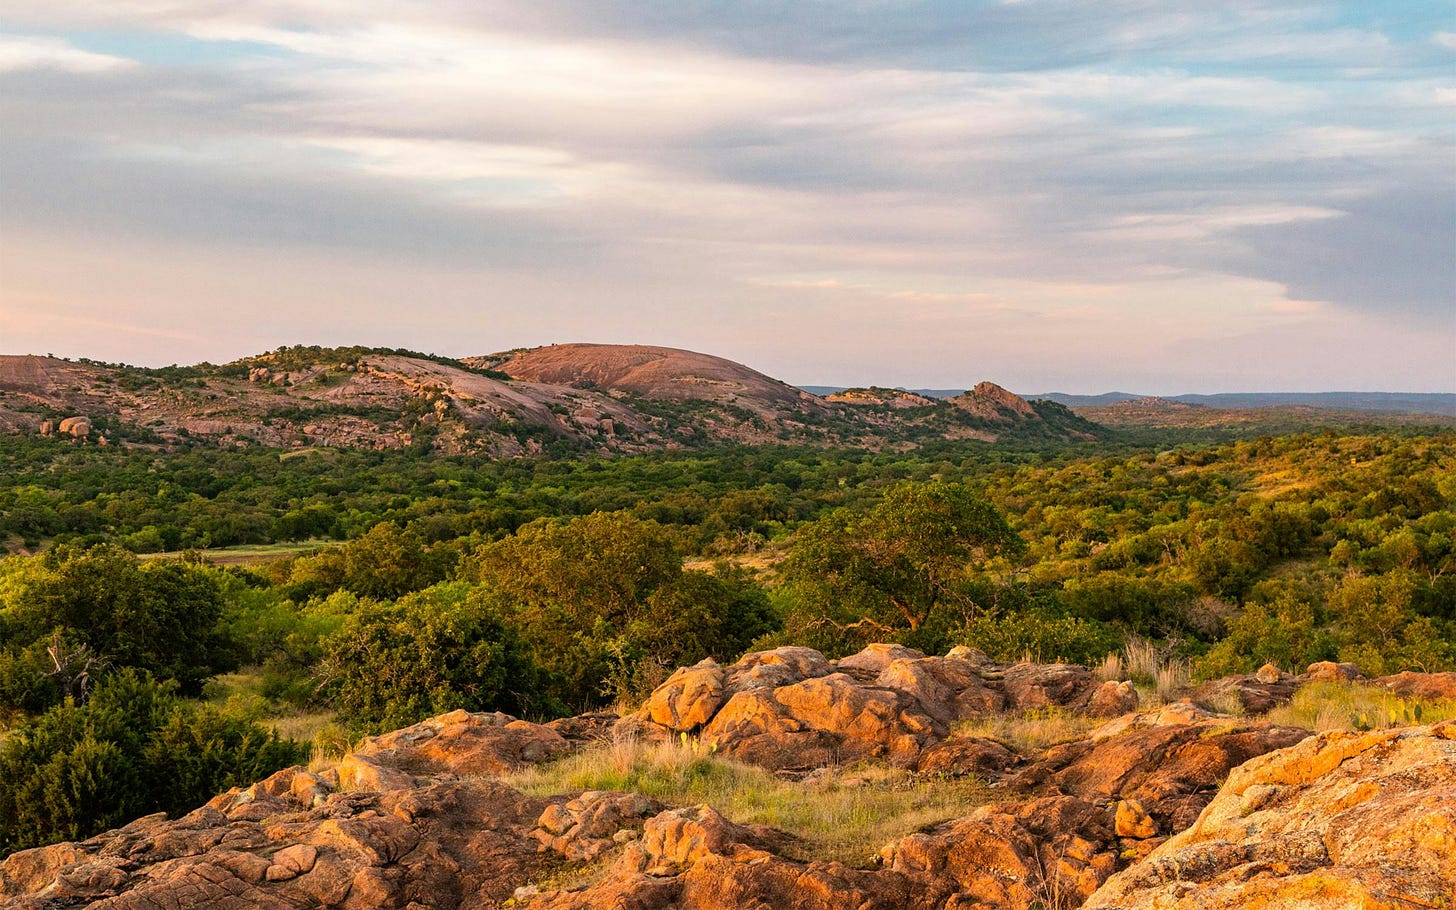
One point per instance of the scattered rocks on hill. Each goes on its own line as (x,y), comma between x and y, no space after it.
(1341,820)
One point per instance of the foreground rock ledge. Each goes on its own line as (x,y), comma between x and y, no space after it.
(1357,820)
(418,818)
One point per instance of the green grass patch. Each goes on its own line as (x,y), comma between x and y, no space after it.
(1323,706)
(846,815)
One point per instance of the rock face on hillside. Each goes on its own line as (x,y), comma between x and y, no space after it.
(991,402)
(602,398)
(419,818)
(648,371)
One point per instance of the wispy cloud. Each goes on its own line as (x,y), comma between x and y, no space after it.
(18,52)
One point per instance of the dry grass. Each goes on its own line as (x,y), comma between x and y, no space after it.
(1112,668)
(845,815)
(303,726)
(1350,706)
(1158,676)
(1031,732)
(1171,678)
(1142,660)
(247,554)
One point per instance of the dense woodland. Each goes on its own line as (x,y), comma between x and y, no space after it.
(387,587)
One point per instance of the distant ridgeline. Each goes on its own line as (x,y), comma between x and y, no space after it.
(559,399)
(1394,402)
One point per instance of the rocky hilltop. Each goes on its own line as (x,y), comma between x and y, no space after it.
(607,398)
(657,373)
(1170,805)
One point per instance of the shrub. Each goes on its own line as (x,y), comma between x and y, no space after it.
(1040,635)
(133,749)
(434,651)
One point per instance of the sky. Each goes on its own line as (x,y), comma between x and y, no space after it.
(1158,196)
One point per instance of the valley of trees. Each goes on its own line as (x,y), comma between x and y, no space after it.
(138,673)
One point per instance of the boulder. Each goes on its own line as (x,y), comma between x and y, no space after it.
(1171,769)
(824,720)
(1254,694)
(1420,685)
(435,845)
(1340,820)
(959,756)
(679,838)
(463,743)
(945,688)
(973,656)
(1029,686)
(779,667)
(870,662)
(1132,820)
(1269,674)
(588,826)
(585,729)
(689,698)
(1051,852)
(1112,699)
(361,772)
(75,427)
(1329,671)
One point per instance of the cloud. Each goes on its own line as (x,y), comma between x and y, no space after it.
(1391,253)
(951,166)
(39,53)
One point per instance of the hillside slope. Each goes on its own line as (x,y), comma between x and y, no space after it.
(567,398)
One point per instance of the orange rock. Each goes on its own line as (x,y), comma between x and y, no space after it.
(689,698)
(820,721)
(1132,820)
(1341,820)
(1420,685)
(874,659)
(1329,671)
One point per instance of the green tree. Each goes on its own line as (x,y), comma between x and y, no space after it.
(888,573)
(158,616)
(575,587)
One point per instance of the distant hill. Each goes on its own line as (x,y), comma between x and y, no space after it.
(559,398)
(828,390)
(1442,403)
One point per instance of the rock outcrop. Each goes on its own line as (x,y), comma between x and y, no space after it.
(1130,815)
(1341,820)
(1169,762)
(793,709)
